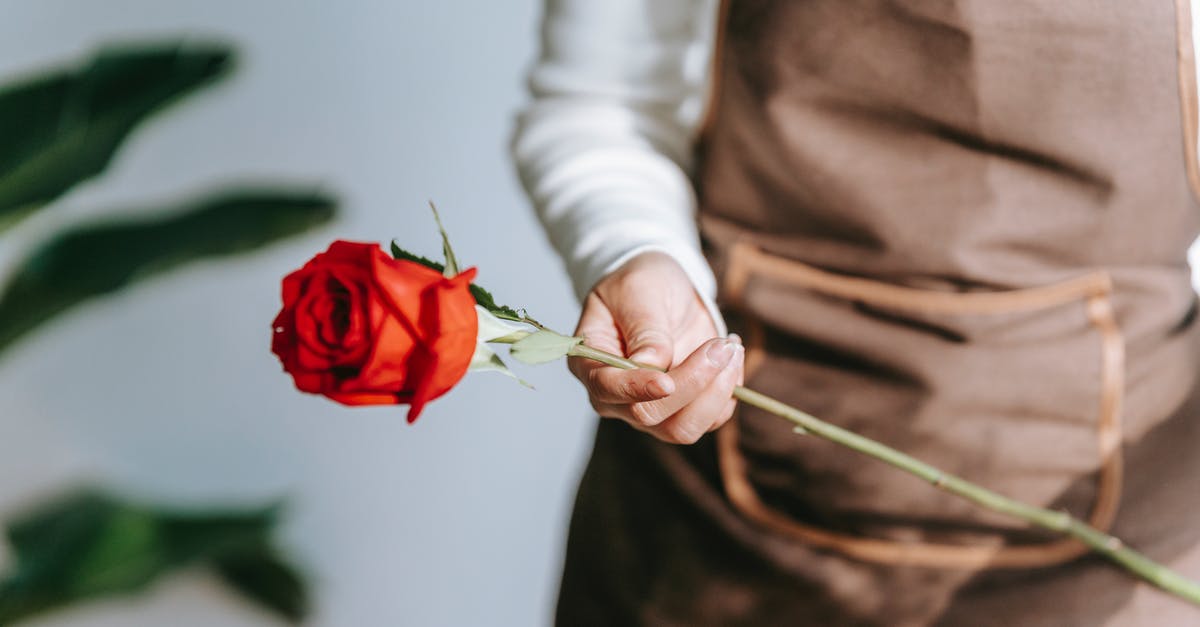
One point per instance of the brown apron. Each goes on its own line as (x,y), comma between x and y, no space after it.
(959,228)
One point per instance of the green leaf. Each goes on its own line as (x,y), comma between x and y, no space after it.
(63,127)
(543,346)
(265,577)
(125,556)
(193,536)
(45,541)
(91,260)
(451,269)
(482,297)
(46,546)
(91,545)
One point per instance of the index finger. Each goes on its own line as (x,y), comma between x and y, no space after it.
(610,385)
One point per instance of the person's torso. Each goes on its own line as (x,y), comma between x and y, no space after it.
(960,227)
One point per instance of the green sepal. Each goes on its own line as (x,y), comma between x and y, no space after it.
(400,253)
(482,297)
(451,270)
(486,360)
(543,346)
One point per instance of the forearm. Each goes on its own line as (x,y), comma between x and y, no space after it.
(604,148)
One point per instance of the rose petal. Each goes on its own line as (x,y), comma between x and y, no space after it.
(401,284)
(354,253)
(313,382)
(328,318)
(386,368)
(449,313)
(367,398)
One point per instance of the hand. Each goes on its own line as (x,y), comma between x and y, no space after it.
(649,312)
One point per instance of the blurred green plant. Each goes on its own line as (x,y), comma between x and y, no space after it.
(62,128)
(91,545)
(92,260)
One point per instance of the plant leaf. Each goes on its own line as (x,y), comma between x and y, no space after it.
(543,346)
(125,556)
(63,127)
(90,545)
(194,536)
(45,540)
(482,297)
(91,260)
(261,575)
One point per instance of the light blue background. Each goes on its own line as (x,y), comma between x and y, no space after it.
(169,391)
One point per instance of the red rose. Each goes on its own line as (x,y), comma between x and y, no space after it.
(365,329)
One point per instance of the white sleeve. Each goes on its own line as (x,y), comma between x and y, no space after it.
(604,148)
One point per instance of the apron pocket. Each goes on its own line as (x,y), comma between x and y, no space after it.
(1017,390)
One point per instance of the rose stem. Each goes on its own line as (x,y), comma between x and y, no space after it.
(1100,542)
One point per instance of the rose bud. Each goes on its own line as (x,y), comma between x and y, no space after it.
(365,329)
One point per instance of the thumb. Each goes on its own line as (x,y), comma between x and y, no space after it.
(648,338)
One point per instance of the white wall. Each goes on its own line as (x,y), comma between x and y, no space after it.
(169,391)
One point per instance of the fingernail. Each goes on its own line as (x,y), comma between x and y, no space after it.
(720,353)
(661,386)
(735,338)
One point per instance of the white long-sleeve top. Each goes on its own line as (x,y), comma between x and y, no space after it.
(604,147)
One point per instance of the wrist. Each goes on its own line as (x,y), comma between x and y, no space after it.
(689,263)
